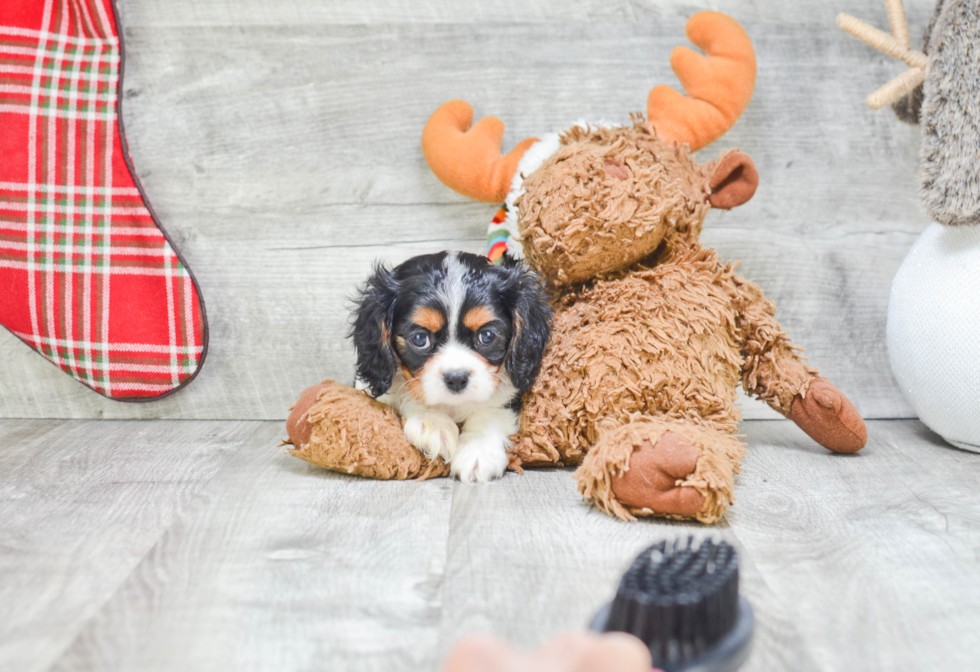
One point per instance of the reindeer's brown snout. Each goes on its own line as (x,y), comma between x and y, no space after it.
(616,169)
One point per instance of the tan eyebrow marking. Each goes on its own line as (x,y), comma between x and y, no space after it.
(429,318)
(477,317)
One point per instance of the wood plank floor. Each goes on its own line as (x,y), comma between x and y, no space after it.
(191,545)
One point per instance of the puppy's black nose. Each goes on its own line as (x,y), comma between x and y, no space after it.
(456,380)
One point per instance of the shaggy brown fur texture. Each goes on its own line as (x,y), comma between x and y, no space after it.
(661,332)
(580,219)
(714,476)
(652,334)
(343,429)
(673,336)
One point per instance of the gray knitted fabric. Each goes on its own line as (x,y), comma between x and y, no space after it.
(950,116)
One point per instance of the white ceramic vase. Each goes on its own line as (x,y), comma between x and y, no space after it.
(934,331)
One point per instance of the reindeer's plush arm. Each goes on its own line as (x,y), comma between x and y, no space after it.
(774,372)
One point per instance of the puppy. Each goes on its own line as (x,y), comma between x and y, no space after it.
(452,341)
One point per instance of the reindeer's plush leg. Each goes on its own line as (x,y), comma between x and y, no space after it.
(661,468)
(775,373)
(342,429)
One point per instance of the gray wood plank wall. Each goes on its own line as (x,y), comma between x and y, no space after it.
(279,143)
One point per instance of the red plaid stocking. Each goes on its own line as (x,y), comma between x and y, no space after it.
(87,276)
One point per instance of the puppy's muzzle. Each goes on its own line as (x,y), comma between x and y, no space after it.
(456,380)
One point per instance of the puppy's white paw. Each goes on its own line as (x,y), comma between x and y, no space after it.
(435,434)
(480,458)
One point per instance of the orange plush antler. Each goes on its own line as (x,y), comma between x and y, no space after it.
(718,86)
(466,159)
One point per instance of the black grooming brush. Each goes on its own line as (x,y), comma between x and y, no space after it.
(682,600)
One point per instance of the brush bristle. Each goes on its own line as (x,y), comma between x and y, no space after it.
(680,598)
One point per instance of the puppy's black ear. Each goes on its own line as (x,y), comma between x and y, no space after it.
(532,326)
(371,330)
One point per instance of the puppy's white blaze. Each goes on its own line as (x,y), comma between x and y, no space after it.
(479,388)
(453,290)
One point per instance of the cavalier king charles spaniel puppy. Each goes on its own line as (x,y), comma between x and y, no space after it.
(452,341)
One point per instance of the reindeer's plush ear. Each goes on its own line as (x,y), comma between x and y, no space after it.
(371,330)
(734,181)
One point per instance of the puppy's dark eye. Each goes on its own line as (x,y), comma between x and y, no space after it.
(420,340)
(487,336)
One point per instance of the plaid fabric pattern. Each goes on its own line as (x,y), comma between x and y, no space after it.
(87,278)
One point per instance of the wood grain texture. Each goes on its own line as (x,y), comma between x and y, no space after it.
(280,145)
(81,503)
(867,550)
(281,565)
(200,545)
(534,537)
(312,12)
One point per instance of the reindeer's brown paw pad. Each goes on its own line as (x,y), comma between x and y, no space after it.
(298,425)
(651,482)
(829,418)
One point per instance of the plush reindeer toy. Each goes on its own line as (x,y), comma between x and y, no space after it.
(652,332)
